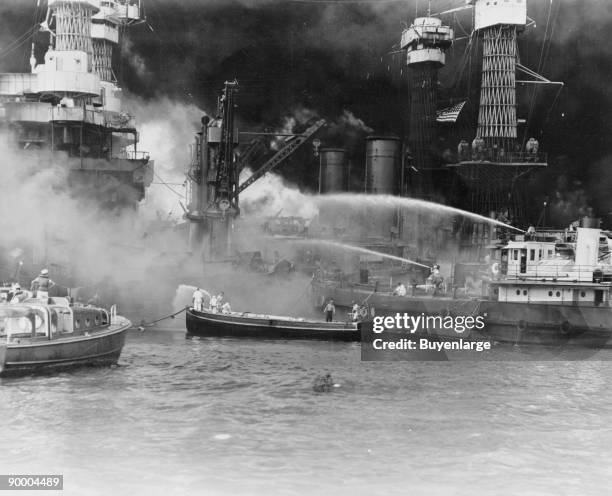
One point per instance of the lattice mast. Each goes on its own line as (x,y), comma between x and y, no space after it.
(106,28)
(425,42)
(499,23)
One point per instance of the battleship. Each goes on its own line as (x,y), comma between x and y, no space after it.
(68,106)
(491,165)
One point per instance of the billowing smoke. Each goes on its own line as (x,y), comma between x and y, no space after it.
(166,131)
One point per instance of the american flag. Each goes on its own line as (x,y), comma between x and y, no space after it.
(449,114)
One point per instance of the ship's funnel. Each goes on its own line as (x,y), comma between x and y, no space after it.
(587,247)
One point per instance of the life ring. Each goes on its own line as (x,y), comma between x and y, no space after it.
(495,269)
(565,328)
(521,325)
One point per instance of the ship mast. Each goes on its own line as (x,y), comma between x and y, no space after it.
(425,42)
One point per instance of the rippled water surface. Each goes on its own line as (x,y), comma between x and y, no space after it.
(221,416)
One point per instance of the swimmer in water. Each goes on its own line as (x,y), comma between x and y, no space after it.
(323,384)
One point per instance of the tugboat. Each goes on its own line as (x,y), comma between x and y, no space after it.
(52,334)
(548,296)
(543,291)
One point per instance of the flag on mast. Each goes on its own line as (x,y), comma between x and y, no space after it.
(450,114)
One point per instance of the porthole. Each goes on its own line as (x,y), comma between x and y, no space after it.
(582,293)
(558,294)
(518,292)
(550,293)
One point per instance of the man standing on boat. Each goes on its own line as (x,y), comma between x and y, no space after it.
(213,303)
(330,310)
(198,299)
(41,285)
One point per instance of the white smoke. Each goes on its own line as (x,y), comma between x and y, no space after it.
(270,195)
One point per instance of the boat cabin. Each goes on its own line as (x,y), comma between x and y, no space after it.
(544,271)
(563,293)
(550,260)
(35,320)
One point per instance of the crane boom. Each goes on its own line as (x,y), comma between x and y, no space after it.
(283,154)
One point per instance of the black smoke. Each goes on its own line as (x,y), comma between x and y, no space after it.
(331,57)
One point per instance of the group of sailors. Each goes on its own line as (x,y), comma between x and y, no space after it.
(480,151)
(357,312)
(434,283)
(217,303)
(39,288)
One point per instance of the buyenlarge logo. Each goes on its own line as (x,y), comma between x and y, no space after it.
(416,323)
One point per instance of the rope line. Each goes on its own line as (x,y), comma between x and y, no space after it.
(144,324)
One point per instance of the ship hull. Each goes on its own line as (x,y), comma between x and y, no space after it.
(206,324)
(99,349)
(517,323)
(547,324)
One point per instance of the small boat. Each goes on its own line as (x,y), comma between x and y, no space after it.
(52,334)
(250,325)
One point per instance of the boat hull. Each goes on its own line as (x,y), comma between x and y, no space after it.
(516,323)
(547,324)
(206,324)
(97,349)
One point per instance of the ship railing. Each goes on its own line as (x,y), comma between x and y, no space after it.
(582,273)
(133,155)
(503,157)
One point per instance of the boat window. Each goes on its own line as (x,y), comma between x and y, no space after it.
(531,254)
(87,322)
(558,294)
(582,293)
(524,292)
(97,320)
(514,254)
(77,324)
(23,322)
(518,292)
(550,293)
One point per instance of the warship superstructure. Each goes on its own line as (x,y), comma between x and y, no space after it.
(70,104)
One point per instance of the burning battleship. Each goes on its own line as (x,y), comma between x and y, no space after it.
(69,105)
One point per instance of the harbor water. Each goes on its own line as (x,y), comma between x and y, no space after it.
(239,417)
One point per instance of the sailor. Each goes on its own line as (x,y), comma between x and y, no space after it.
(213,303)
(401,289)
(436,279)
(532,146)
(463,150)
(330,310)
(198,299)
(226,308)
(220,297)
(41,285)
(530,234)
(478,146)
(18,294)
(323,384)
(355,311)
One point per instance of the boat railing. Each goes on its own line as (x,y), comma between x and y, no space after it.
(577,273)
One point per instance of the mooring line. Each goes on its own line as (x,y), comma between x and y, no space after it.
(144,324)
